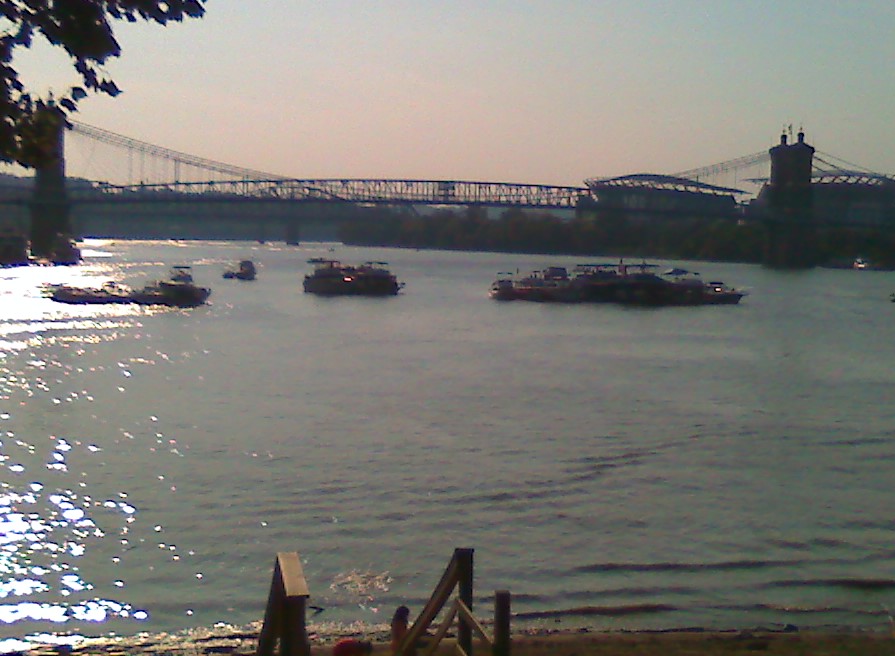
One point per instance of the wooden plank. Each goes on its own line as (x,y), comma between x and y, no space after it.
(285,614)
(474,624)
(293,576)
(443,628)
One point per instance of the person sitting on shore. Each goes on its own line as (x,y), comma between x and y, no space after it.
(399,627)
(352,647)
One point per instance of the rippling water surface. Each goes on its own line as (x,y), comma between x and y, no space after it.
(612,467)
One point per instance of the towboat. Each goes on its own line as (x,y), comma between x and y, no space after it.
(332,278)
(689,289)
(172,293)
(718,293)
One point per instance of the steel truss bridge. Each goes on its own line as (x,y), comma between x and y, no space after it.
(384,192)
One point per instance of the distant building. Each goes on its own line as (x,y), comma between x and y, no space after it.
(647,197)
(854,199)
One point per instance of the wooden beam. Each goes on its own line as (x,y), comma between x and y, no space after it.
(285,615)
(501,645)
(466,614)
(464,580)
(293,576)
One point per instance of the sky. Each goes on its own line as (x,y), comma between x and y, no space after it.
(550,92)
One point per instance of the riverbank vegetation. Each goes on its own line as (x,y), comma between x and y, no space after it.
(604,234)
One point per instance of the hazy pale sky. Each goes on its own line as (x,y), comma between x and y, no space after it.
(513,91)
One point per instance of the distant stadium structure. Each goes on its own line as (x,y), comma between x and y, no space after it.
(653,194)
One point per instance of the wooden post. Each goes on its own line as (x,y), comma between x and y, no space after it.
(501,623)
(285,615)
(463,557)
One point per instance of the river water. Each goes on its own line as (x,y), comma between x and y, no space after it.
(613,467)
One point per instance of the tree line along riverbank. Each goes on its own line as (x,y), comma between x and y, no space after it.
(520,231)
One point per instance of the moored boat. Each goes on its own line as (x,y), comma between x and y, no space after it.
(626,284)
(110,292)
(689,289)
(550,285)
(181,273)
(172,293)
(332,278)
(718,293)
(245,271)
(598,282)
(504,287)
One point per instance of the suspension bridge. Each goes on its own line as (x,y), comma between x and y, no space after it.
(161,174)
(153,180)
(106,167)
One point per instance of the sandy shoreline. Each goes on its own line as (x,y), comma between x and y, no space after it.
(582,642)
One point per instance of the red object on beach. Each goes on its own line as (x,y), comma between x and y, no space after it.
(352,647)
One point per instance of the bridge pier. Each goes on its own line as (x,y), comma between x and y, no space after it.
(50,207)
(292,233)
(790,227)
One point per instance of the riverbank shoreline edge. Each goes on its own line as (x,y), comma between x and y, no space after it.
(236,641)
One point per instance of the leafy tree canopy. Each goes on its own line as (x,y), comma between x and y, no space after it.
(83,28)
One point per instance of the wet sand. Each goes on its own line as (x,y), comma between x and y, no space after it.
(705,644)
(560,643)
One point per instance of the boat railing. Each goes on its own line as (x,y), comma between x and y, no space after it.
(322,262)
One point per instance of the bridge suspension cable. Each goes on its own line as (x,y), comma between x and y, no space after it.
(824,165)
(131,144)
(723,167)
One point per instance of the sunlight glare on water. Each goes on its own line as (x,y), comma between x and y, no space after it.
(613,467)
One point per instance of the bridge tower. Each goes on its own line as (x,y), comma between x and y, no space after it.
(50,208)
(791,240)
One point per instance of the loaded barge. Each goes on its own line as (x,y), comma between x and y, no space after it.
(619,283)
